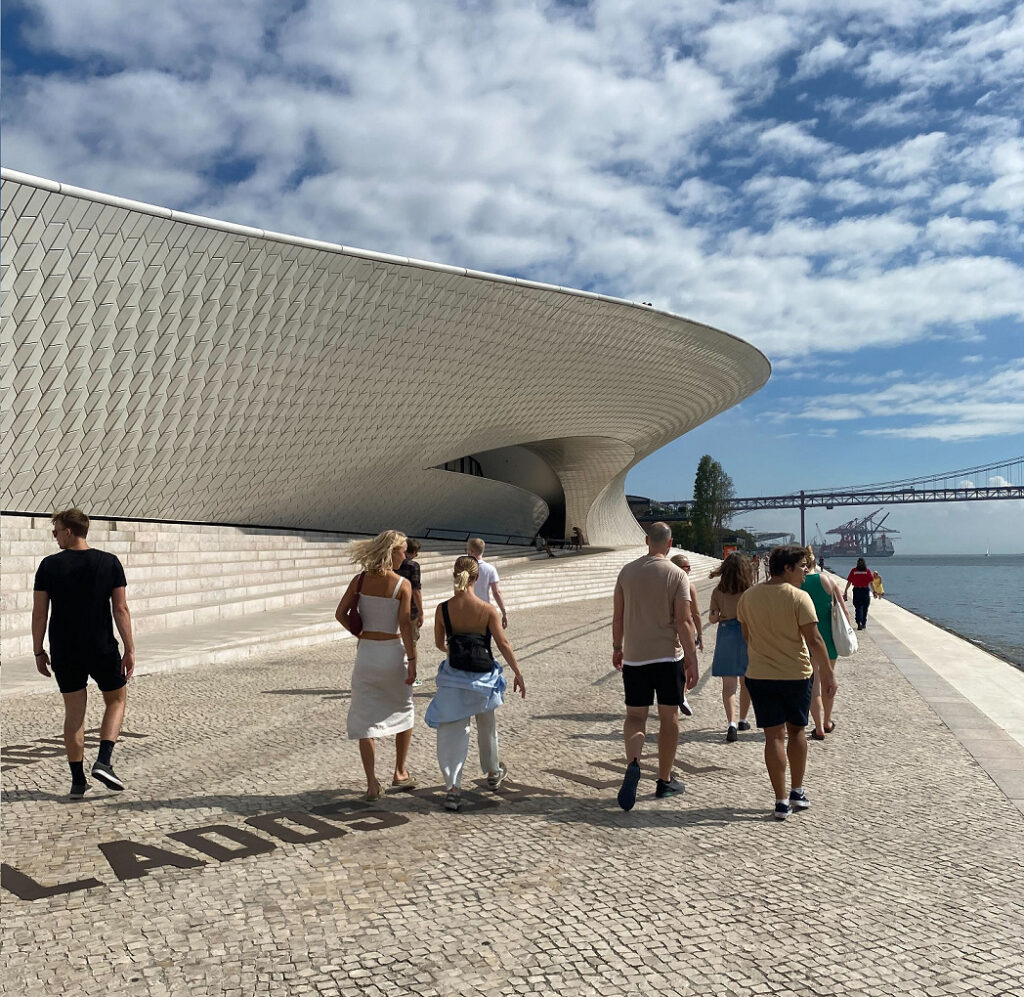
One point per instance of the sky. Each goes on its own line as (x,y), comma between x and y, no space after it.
(840,184)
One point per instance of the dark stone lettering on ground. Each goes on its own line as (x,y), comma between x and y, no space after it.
(12,755)
(133,860)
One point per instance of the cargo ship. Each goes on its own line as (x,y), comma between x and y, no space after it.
(865,537)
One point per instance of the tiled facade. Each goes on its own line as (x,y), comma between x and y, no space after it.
(162,366)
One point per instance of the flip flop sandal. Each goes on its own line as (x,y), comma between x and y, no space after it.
(831,727)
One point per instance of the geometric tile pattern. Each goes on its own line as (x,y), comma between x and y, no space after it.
(164,366)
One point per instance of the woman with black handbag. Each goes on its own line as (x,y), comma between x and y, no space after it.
(469,682)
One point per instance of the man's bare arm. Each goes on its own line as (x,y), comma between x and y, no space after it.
(684,630)
(695,617)
(819,658)
(618,613)
(123,622)
(40,612)
(501,603)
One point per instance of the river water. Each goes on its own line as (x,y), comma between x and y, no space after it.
(981,598)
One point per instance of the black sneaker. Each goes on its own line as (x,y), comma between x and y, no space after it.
(798,800)
(627,795)
(78,790)
(672,787)
(743,725)
(685,708)
(781,810)
(105,774)
(453,800)
(731,734)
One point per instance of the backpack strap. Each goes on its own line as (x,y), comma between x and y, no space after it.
(447,619)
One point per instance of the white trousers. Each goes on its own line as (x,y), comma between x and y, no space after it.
(453,746)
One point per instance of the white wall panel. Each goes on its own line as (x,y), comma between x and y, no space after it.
(176,368)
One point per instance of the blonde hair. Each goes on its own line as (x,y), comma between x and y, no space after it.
(811,562)
(375,555)
(465,572)
(476,545)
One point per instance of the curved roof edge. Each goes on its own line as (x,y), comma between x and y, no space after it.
(330,247)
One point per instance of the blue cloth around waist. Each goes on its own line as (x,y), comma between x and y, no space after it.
(464,694)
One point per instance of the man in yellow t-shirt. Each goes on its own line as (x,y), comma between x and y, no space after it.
(784,648)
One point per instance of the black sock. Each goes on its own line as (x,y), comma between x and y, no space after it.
(106,750)
(77,772)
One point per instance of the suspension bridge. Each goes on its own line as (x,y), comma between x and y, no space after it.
(1000,480)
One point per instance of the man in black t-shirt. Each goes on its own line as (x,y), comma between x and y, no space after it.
(78,588)
(411,570)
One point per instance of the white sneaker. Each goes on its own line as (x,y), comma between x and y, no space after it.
(496,779)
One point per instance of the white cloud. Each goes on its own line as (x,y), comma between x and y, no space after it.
(948,409)
(958,233)
(829,53)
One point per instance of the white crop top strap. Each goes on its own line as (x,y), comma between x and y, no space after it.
(398,588)
(379,613)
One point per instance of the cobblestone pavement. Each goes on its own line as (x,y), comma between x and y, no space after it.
(238,861)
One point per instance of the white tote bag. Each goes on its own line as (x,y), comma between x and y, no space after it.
(843,635)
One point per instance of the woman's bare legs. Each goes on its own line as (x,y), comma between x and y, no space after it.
(827,702)
(402,741)
(729,697)
(817,706)
(368,756)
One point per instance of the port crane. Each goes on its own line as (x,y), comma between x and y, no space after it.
(867,536)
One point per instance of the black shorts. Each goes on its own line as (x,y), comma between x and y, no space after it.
(780,701)
(72,674)
(662,678)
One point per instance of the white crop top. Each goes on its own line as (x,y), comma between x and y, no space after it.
(380,612)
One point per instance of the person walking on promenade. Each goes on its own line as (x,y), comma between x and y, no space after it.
(469,682)
(822,590)
(652,634)
(860,578)
(487,584)
(682,561)
(410,571)
(784,650)
(79,589)
(730,660)
(755,565)
(877,588)
(383,675)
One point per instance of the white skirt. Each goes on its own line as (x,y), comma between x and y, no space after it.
(381,701)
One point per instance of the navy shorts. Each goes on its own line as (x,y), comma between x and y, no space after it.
(663,679)
(780,701)
(72,674)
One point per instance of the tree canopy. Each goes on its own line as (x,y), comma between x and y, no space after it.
(712,497)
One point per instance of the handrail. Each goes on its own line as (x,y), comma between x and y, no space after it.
(510,539)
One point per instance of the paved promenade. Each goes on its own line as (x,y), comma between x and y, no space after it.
(240,861)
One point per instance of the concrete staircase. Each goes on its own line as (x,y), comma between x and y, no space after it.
(203,594)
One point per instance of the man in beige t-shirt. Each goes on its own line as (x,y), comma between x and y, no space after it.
(784,648)
(652,634)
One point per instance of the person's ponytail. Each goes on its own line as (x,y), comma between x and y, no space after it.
(461,581)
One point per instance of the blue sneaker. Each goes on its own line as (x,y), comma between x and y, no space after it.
(781,810)
(798,800)
(627,795)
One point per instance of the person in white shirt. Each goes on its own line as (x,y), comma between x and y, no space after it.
(487,582)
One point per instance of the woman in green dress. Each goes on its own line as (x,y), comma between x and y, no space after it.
(822,588)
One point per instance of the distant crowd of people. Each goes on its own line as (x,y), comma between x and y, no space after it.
(775,651)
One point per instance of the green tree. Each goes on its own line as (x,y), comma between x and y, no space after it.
(712,498)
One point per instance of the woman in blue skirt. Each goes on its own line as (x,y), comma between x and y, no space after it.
(730,661)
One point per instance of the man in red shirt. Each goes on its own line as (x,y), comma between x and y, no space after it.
(860,578)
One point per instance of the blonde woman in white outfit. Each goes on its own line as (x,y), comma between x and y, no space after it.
(464,627)
(385,667)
